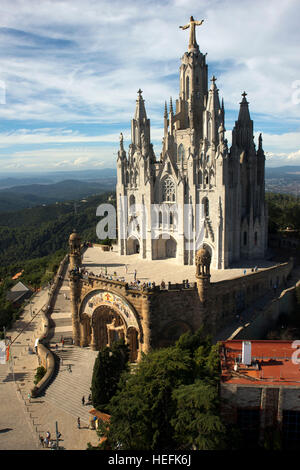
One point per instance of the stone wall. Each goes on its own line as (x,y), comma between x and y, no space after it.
(267,318)
(46,358)
(163,314)
(230,297)
(270,400)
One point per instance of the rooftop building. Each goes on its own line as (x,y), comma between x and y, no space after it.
(260,383)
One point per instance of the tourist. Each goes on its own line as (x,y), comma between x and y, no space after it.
(83,400)
(135,273)
(52,445)
(42,441)
(78,423)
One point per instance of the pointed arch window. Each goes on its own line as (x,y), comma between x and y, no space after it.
(181,153)
(199,177)
(212,177)
(160,218)
(168,190)
(187,88)
(205,203)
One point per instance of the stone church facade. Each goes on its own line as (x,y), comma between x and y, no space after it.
(199,192)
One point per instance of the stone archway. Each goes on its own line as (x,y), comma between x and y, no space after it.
(133,246)
(107,327)
(106,317)
(164,247)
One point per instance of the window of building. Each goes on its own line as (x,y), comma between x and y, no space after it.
(245,238)
(160,218)
(180,153)
(205,203)
(187,88)
(168,190)
(255,238)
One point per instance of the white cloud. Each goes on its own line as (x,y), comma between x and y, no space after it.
(69,62)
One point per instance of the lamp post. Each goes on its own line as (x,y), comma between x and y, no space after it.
(57,435)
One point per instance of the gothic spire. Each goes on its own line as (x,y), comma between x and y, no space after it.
(140,124)
(244,114)
(140,111)
(166,111)
(242,133)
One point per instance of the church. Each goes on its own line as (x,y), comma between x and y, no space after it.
(200,204)
(199,193)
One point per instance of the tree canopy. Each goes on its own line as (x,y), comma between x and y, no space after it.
(171,401)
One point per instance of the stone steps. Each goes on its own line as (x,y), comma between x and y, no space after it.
(66,391)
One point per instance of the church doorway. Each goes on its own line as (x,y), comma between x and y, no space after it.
(164,248)
(133,246)
(108,326)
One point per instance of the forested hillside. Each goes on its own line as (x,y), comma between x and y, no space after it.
(30,195)
(284,211)
(40,231)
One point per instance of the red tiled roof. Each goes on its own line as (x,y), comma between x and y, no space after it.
(273,363)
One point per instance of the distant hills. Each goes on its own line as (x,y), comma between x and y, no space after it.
(19,179)
(22,192)
(19,191)
(284,180)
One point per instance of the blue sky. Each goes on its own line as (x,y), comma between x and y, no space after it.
(70,71)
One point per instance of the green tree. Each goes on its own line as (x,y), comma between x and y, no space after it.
(197,423)
(171,401)
(109,365)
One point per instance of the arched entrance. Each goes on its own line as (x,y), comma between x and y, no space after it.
(133,246)
(164,248)
(105,317)
(107,327)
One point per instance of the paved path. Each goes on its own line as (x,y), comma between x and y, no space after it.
(23,420)
(96,261)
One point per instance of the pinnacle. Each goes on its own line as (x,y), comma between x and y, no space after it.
(244,114)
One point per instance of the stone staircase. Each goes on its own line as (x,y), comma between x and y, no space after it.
(68,387)
(74,365)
